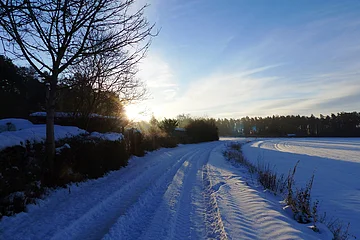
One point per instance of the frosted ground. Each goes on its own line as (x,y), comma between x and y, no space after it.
(335,163)
(189,192)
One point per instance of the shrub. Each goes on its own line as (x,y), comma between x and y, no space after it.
(134,142)
(201,130)
(154,142)
(20,177)
(168,126)
(23,170)
(269,179)
(303,211)
(339,229)
(91,157)
(300,202)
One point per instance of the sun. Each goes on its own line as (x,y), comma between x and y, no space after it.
(137,113)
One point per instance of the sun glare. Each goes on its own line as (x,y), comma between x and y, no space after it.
(136,113)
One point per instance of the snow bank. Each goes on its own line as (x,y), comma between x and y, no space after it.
(335,163)
(16,131)
(67,114)
(59,149)
(36,133)
(111,136)
(14,124)
(249,212)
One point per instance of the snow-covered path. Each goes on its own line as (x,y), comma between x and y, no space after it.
(190,192)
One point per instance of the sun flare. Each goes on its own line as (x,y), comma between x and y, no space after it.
(136,113)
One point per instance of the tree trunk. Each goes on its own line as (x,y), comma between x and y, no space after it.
(50,134)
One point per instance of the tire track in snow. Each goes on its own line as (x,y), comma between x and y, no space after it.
(95,223)
(139,216)
(185,218)
(162,218)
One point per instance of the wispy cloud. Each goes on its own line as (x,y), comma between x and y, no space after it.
(161,84)
(157,73)
(308,67)
(237,95)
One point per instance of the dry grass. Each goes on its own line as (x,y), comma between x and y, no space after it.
(298,199)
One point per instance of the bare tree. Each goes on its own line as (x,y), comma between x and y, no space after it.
(53,35)
(111,72)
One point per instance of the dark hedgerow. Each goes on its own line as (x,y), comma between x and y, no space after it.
(153,142)
(20,176)
(91,157)
(23,170)
(202,130)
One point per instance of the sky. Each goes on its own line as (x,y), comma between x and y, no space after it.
(236,58)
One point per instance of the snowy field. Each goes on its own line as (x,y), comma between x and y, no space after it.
(189,192)
(335,163)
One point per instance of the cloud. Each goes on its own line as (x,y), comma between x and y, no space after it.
(182,8)
(159,78)
(243,93)
(156,73)
(311,67)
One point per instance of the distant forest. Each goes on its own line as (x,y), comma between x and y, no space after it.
(342,124)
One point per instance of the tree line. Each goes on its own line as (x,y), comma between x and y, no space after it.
(343,124)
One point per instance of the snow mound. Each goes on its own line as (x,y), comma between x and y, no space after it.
(36,133)
(14,124)
(111,136)
(69,115)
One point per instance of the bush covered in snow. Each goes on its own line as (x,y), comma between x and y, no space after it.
(14,124)
(18,131)
(23,171)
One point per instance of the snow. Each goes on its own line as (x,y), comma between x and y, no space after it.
(335,163)
(189,192)
(36,133)
(111,136)
(15,131)
(59,149)
(249,212)
(68,114)
(14,124)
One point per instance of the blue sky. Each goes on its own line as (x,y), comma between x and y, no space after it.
(251,58)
